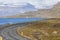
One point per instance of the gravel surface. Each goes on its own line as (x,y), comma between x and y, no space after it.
(9,33)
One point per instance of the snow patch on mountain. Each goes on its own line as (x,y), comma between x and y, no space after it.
(9,10)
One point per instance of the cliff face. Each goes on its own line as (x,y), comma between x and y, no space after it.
(41,13)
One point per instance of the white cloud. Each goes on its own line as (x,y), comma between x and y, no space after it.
(36,3)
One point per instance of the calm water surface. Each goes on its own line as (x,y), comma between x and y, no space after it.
(17,20)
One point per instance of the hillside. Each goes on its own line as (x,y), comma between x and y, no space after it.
(48,29)
(41,13)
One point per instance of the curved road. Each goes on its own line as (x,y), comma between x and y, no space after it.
(10,33)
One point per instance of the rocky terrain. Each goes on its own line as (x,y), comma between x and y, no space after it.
(54,12)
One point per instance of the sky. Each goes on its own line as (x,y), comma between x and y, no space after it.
(38,4)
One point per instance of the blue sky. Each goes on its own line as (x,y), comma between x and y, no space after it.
(38,4)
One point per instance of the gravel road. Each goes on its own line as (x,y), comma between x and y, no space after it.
(9,33)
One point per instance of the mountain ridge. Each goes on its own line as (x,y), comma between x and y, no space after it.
(41,13)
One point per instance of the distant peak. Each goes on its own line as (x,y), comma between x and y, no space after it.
(57,6)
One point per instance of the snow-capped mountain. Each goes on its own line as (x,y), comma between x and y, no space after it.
(11,9)
(54,12)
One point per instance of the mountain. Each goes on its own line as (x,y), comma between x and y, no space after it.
(9,9)
(54,12)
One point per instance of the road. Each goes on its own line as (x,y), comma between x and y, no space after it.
(9,33)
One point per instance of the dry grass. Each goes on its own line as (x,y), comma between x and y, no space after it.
(42,30)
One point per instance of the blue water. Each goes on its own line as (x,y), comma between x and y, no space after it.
(17,20)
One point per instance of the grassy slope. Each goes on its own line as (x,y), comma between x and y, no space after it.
(47,30)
